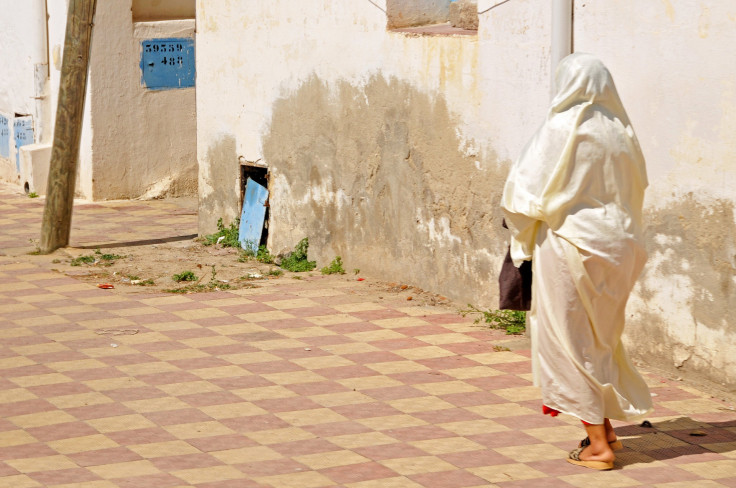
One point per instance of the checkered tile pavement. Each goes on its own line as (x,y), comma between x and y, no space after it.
(301,384)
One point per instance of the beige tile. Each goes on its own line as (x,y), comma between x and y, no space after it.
(367,439)
(420,404)
(220,372)
(178,354)
(250,357)
(614,479)
(197,430)
(332,319)
(161,404)
(41,419)
(324,460)
(339,399)
(472,372)
(446,387)
(277,436)
(16,395)
(213,341)
(394,367)
(321,362)
(369,382)
(310,479)
(253,454)
(44,348)
(265,316)
(447,445)
(17,437)
(40,380)
(532,452)
(294,377)
(692,406)
(15,332)
(140,369)
(279,344)
(46,463)
(189,388)
(448,338)
(501,410)
(135,311)
(229,302)
(239,328)
(399,322)
(264,393)
(395,482)
(123,470)
(428,352)
(80,400)
(390,422)
(167,300)
(109,323)
(520,394)
(163,449)
(292,303)
(18,481)
(300,332)
(350,348)
(201,313)
(80,364)
(315,416)
(471,427)
(87,484)
(120,423)
(418,465)
(82,444)
(496,357)
(358,307)
(689,484)
(233,410)
(509,472)
(108,384)
(712,470)
(375,335)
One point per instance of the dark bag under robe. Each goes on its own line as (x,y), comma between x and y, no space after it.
(514,284)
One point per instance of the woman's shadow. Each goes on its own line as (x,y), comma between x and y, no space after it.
(674,438)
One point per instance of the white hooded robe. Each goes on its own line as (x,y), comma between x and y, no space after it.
(573,202)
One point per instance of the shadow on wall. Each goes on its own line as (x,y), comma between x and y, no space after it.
(218,197)
(376,174)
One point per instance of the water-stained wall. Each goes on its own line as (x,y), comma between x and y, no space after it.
(374,173)
(390,149)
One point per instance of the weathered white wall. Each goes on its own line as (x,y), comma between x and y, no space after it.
(22,60)
(143,140)
(674,67)
(135,142)
(391,149)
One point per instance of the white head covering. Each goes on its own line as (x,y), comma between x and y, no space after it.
(583,172)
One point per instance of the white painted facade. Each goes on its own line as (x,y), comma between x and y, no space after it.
(672,62)
(136,142)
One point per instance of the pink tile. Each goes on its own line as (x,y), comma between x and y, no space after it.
(236,383)
(127,359)
(290,404)
(228,349)
(531,422)
(57,432)
(373,357)
(241,483)
(210,398)
(161,480)
(503,439)
(138,393)
(30,370)
(173,417)
(7,470)
(546,482)
(355,473)
(448,479)
(221,442)
(140,436)
(270,468)
(420,433)
(185,461)
(336,428)
(345,372)
(422,330)
(518,367)
(254,423)
(499,382)
(449,362)
(304,447)
(26,451)
(26,407)
(448,415)
(272,367)
(421,377)
(199,363)
(64,476)
(473,398)
(398,344)
(656,475)
(59,389)
(95,374)
(393,393)
(169,378)
(317,388)
(99,411)
(390,451)
(476,459)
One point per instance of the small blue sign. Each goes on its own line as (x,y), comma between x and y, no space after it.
(253,215)
(4,137)
(167,63)
(23,130)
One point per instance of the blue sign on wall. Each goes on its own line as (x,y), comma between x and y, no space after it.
(167,63)
(4,137)
(23,130)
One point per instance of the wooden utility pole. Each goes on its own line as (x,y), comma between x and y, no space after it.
(57,214)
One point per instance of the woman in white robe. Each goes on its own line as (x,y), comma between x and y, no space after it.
(573,202)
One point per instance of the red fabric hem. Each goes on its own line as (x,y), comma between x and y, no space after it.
(550,411)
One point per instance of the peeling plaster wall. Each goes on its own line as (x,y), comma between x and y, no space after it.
(391,150)
(675,72)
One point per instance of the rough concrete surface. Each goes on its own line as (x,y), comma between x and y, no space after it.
(464,14)
(375,174)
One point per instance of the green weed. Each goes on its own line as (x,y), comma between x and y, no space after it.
(33,194)
(335,267)
(297,261)
(513,321)
(184,276)
(229,235)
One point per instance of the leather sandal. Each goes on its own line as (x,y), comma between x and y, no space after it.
(615,445)
(574,458)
